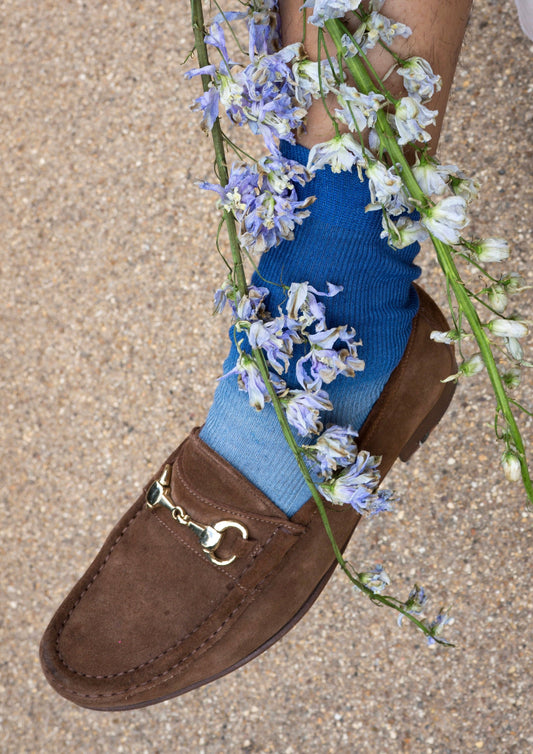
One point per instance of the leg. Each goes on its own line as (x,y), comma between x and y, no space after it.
(340,243)
(438,29)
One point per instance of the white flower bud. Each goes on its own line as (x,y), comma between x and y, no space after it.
(514,283)
(492,250)
(497,297)
(507,328)
(472,366)
(514,348)
(451,336)
(511,466)
(511,378)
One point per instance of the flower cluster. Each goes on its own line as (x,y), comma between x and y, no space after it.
(350,477)
(263,200)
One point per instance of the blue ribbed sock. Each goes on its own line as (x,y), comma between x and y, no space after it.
(338,243)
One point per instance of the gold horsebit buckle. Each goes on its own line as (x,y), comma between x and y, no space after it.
(209,536)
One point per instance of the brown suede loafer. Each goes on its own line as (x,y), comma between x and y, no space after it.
(204,572)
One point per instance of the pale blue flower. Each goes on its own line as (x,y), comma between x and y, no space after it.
(358,111)
(418,78)
(268,103)
(303,407)
(324,363)
(263,199)
(309,76)
(249,379)
(437,626)
(384,184)
(377,28)
(411,118)
(270,338)
(431,177)
(416,603)
(263,28)
(376,580)
(251,306)
(357,486)
(302,304)
(334,449)
(460,184)
(324,10)
(402,232)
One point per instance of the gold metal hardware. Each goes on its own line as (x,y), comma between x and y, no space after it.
(208,536)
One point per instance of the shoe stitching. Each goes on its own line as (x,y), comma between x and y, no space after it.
(252,595)
(180,473)
(169,649)
(227,468)
(91,582)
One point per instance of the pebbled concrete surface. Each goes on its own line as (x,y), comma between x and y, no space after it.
(109,358)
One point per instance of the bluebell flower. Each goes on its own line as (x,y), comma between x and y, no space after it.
(402,232)
(270,338)
(251,306)
(376,28)
(416,603)
(303,407)
(357,486)
(417,600)
(411,118)
(446,219)
(324,10)
(376,580)
(302,304)
(249,379)
(215,38)
(385,187)
(268,103)
(324,362)
(418,78)
(437,625)
(263,27)
(340,153)
(358,111)
(263,199)
(334,449)
(310,76)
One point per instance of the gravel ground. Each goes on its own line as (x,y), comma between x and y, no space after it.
(109,358)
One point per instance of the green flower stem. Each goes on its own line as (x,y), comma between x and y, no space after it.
(258,355)
(218,142)
(444,252)
(381,599)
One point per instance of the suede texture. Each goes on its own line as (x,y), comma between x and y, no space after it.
(153,617)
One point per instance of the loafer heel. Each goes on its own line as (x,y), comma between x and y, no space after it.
(426,426)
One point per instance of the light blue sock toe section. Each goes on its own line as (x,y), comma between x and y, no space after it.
(339,243)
